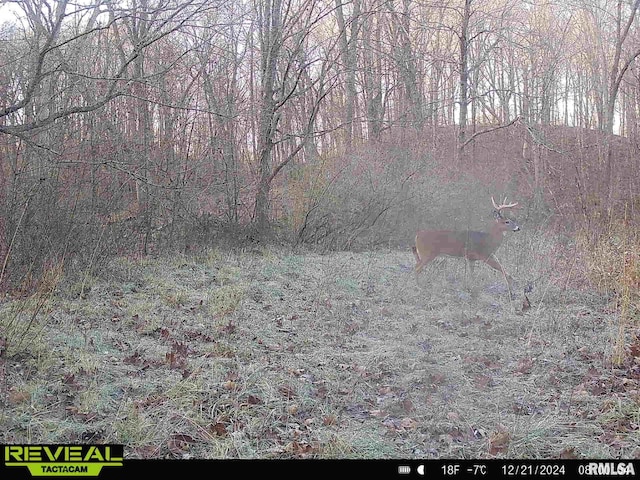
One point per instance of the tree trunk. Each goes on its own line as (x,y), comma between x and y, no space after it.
(349,54)
(373,79)
(271,33)
(464,75)
(616,75)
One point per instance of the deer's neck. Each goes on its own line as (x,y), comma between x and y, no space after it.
(496,234)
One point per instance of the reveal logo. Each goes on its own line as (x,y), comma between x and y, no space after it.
(63,460)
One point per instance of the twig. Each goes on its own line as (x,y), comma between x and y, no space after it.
(477,134)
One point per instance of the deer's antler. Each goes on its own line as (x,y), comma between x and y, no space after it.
(503,204)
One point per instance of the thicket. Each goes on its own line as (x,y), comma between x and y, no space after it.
(374,196)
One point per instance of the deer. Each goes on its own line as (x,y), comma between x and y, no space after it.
(469,244)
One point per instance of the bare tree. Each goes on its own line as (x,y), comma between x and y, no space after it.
(51,57)
(611,66)
(463,71)
(411,103)
(348,33)
(283,31)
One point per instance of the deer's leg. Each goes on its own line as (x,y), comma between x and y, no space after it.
(416,254)
(472,266)
(469,272)
(493,263)
(422,262)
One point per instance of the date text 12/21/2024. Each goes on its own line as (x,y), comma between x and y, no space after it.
(552,469)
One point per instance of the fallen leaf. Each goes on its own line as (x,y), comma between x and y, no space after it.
(358,412)
(180,348)
(407,405)
(568,454)
(70,380)
(408,423)
(179,443)
(456,434)
(598,388)
(176,360)
(436,379)
(499,442)
(86,417)
(18,396)
(253,400)
(483,381)
(287,391)
(320,392)
(230,385)
(401,425)
(385,390)
(134,359)
(299,448)
(351,328)
(218,429)
(524,366)
(229,328)
(330,420)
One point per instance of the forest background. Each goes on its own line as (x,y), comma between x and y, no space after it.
(151,128)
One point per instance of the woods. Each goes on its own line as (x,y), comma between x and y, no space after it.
(208,209)
(144,126)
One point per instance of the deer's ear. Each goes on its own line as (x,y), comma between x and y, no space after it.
(497,214)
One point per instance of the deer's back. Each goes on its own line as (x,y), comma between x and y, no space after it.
(468,243)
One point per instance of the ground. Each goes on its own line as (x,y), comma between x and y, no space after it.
(278,354)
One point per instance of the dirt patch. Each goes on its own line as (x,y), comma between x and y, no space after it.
(274,354)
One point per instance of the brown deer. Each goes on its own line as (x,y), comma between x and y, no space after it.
(467,244)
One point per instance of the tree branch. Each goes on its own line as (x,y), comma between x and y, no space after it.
(499,127)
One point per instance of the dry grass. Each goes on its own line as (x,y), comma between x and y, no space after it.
(612,261)
(278,354)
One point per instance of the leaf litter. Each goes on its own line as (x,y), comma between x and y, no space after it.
(322,356)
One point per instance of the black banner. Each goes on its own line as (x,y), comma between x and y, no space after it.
(110,462)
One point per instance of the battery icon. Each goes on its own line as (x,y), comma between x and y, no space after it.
(404,469)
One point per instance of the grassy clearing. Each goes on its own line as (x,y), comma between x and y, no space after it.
(279,354)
